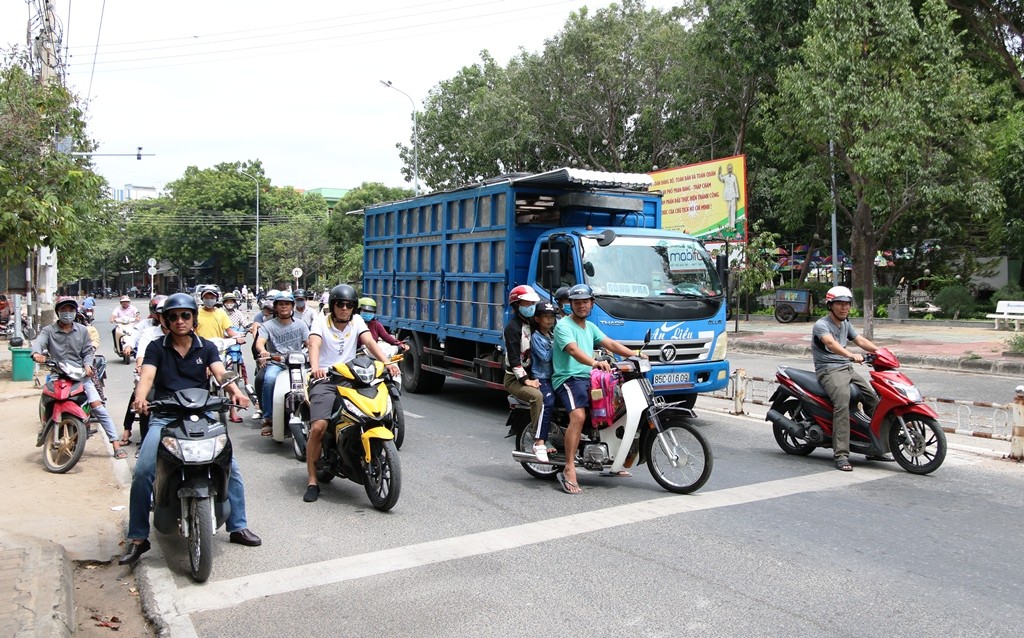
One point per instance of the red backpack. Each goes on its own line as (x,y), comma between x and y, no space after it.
(605,398)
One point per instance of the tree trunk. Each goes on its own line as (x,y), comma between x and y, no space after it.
(862,244)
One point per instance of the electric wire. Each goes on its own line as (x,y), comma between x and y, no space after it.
(88,93)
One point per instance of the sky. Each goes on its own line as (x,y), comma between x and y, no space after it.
(295,84)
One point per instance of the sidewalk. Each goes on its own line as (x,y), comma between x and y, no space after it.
(51,520)
(961,346)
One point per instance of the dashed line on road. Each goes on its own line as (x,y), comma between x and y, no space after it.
(179,604)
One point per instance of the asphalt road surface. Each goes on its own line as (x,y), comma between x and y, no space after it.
(773,545)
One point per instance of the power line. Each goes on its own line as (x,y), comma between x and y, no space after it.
(88,93)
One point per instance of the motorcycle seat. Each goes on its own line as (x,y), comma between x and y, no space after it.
(809,381)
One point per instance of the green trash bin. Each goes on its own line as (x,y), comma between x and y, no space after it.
(22,365)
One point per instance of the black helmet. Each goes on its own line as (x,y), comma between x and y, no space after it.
(562,293)
(342,292)
(181,301)
(300,294)
(581,291)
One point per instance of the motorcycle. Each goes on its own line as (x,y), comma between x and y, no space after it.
(358,444)
(89,314)
(125,332)
(291,408)
(27,331)
(394,383)
(902,424)
(64,417)
(193,464)
(231,354)
(676,454)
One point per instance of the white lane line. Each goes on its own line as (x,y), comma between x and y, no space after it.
(235,591)
(413,414)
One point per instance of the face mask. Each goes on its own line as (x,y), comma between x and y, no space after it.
(300,305)
(567,309)
(66,317)
(367,316)
(229,306)
(527,311)
(209,303)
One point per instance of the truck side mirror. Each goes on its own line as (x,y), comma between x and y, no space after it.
(550,274)
(722,267)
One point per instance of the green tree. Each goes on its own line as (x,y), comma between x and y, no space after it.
(892,94)
(758,263)
(44,193)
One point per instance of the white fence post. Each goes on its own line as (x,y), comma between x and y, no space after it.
(1017,434)
(739,390)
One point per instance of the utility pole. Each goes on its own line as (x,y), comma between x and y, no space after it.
(43,259)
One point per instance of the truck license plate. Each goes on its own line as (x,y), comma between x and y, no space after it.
(671,377)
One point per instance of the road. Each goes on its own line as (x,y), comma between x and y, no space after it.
(773,545)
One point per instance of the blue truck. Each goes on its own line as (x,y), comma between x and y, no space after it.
(441,266)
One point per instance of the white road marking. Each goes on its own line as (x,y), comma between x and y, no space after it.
(413,415)
(178,604)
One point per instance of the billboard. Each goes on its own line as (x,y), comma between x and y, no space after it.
(707,200)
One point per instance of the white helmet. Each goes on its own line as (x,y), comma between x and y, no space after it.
(838,293)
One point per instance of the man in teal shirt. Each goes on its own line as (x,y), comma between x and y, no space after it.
(573,359)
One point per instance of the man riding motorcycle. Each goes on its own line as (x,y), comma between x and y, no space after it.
(280,334)
(833,365)
(333,339)
(123,315)
(66,340)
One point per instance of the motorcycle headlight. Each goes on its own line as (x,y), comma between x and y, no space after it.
(366,374)
(909,391)
(203,451)
(296,358)
(645,365)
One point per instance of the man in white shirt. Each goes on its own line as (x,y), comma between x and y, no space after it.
(333,339)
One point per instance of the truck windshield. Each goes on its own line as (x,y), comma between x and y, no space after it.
(649,267)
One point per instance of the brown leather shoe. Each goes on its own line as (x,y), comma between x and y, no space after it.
(245,537)
(133,551)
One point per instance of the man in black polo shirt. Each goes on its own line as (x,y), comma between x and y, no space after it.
(177,362)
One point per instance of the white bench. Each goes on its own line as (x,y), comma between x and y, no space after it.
(1007,312)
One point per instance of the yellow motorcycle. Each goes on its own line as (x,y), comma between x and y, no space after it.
(359,444)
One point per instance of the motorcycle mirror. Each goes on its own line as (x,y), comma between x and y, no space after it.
(647,337)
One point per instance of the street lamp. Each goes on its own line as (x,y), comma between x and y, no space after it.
(415,138)
(257,182)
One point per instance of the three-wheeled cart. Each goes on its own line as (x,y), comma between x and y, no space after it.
(790,303)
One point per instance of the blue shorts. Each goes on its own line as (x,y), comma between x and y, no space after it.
(574,393)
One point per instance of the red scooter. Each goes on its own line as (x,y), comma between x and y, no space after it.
(63,413)
(902,424)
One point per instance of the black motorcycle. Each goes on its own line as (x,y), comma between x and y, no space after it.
(192,470)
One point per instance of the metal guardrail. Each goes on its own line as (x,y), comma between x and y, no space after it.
(968,418)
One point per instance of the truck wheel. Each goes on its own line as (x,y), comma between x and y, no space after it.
(414,378)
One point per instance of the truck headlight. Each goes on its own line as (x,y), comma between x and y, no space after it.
(721,347)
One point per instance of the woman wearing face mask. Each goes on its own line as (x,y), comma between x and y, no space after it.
(368,311)
(519,379)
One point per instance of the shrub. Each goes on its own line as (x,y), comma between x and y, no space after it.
(1016,343)
(1009,292)
(955,301)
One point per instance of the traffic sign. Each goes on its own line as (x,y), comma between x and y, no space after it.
(296,272)
(151,271)
(151,262)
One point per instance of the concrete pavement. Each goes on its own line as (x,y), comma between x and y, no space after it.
(36,587)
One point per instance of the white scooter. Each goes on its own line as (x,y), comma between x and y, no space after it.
(291,401)
(648,430)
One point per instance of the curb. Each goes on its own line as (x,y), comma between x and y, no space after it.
(975,365)
(43,590)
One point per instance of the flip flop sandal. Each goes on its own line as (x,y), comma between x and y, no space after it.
(267,430)
(567,484)
(843,464)
(120,454)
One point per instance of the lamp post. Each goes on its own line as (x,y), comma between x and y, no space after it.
(415,138)
(257,182)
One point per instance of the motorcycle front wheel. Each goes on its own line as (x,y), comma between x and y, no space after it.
(524,443)
(383,475)
(64,444)
(679,458)
(200,539)
(922,449)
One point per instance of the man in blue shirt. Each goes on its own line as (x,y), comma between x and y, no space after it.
(573,359)
(177,362)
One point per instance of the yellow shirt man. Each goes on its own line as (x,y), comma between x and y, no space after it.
(213,324)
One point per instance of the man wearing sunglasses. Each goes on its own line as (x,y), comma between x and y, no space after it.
(333,339)
(177,362)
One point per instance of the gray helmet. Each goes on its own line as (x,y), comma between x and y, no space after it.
(581,291)
(562,293)
(300,294)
